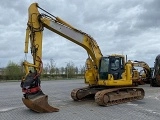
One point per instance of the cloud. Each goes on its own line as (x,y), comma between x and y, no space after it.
(122,27)
(150,17)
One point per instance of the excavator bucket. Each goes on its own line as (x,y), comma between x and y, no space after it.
(39,104)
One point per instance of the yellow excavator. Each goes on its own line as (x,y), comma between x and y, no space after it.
(143,76)
(109,78)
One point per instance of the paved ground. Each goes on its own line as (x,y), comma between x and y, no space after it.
(12,108)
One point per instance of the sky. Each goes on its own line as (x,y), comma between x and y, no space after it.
(128,27)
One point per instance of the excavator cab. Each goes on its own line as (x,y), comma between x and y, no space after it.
(111,65)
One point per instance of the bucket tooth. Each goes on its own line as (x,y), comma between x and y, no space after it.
(39,104)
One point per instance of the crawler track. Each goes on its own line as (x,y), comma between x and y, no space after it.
(108,96)
(84,93)
(118,96)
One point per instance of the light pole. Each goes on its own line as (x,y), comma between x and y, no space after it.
(67,72)
(67,69)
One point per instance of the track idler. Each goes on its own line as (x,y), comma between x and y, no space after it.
(38,103)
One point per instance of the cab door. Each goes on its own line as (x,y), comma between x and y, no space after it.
(116,67)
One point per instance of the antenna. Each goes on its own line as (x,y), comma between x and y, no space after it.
(126,58)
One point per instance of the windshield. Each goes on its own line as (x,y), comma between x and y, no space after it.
(104,64)
(115,64)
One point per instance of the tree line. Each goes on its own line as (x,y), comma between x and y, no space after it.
(14,71)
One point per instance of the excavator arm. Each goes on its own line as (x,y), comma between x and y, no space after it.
(37,22)
(34,33)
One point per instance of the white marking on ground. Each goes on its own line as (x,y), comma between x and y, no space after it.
(155,96)
(147,110)
(129,103)
(9,108)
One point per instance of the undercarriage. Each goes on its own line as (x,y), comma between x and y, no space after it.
(106,96)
